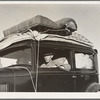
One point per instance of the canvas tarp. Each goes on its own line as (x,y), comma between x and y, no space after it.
(39,23)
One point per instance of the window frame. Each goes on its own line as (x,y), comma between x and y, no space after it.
(57,45)
(19,45)
(72,47)
(84,51)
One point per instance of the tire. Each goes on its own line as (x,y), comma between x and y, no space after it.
(93,87)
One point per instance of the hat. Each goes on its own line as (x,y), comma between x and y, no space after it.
(47,54)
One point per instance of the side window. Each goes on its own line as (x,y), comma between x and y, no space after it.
(53,58)
(18,55)
(84,61)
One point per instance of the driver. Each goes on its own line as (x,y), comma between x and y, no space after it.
(59,62)
(48,61)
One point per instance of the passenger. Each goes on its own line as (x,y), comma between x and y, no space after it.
(59,62)
(22,61)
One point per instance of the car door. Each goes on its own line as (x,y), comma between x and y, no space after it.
(85,70)
(55,80)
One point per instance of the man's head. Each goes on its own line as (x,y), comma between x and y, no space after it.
(48,57)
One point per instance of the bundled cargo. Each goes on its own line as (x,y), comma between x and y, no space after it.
(39,23)
(42,24)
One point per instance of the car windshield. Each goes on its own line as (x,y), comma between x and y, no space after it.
(16,55)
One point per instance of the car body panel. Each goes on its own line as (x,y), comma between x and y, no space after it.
(25,79)
(17,79)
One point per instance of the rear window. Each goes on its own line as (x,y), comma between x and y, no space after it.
(84,61)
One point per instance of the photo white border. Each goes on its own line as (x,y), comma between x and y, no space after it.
(49,2)
(53,95)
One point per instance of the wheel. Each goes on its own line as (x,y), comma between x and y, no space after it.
(93,87)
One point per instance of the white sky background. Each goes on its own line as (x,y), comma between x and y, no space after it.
(86,15)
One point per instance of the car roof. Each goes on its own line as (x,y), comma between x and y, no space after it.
(39,28)
(74,38)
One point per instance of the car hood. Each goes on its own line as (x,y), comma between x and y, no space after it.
(15,71)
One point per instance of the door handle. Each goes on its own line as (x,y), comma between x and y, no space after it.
(74,76)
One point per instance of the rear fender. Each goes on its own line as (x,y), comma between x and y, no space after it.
(93,87)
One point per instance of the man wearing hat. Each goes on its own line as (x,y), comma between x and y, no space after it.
(48,61)
(61,62)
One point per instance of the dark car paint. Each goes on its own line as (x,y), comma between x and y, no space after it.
(17,79)
(48,80)
(57,80)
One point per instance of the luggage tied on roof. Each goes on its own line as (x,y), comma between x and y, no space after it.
(44,24)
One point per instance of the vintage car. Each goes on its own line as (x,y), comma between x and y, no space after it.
(22,53)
